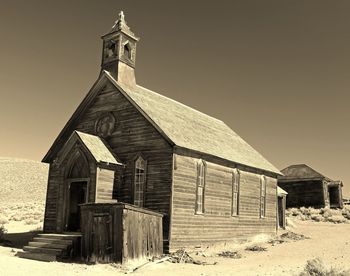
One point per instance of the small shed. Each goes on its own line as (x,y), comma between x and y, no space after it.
(119,232)
(308,188)
(281,208)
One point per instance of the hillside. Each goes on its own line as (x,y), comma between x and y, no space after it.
(22,181)
(22,194)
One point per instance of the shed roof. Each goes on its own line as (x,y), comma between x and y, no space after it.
(280,191)
(97,148)
(301,171)
(192,129)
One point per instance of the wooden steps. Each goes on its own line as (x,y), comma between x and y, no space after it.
(52,247)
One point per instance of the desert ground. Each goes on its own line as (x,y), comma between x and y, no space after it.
(22,197)
(328,241)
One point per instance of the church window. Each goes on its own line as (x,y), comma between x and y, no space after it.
(201,170)
(139,181)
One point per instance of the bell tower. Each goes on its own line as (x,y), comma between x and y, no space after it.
(119,52)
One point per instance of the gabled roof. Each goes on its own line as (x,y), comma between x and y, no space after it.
(301,171)
(182,126)
(92,144)
(97,148)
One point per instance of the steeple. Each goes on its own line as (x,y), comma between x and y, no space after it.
(119,52)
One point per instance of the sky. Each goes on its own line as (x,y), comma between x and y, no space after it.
(277,72)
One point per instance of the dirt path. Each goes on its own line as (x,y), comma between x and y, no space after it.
(330,242)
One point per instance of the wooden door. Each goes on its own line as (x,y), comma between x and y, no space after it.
(101,239)
(280,212)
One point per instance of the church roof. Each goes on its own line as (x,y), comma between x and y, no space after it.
(194,130)
(301,171)
(179,124)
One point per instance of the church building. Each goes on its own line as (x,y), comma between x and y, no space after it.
(127,144)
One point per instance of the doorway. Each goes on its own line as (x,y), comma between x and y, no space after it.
(77,195)
(333,193)
(281,218)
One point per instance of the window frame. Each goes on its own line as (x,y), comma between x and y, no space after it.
(235,196)
(200,186)
(142,185)
(262,203)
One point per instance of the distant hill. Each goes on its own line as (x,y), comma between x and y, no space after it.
(22,181)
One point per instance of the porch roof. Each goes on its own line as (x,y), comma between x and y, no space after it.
(97,148)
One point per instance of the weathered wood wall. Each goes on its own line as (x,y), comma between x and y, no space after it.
(132,136)
(119,233)
(309,193)
(57,192)
(104,185)
(217,224)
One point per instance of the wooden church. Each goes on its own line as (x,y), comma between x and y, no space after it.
(127,152)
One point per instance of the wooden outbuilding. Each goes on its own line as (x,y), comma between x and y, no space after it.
(308,188)
(128,145)
(281,208)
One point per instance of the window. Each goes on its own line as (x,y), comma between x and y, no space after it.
(262,196)
(127,51)
(200,187)
(110,49)
(139,181)
(236,178)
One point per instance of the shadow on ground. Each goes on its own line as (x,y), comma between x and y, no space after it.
(18,240)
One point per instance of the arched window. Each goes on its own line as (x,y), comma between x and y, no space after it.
(236,179)
(139,181)
(262,196)
(201,170)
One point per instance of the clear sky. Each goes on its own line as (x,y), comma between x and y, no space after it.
(277,72)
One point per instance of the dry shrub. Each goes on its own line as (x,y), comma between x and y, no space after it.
(256,248)
(337,219)
(230,254)
(315,267)
(324,214)
(317,217)
(3,219)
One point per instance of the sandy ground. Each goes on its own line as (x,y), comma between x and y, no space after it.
(329,242)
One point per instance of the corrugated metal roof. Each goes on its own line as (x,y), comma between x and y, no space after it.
(97,148)
(191,129)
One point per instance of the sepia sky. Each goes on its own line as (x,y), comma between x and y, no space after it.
(277,72)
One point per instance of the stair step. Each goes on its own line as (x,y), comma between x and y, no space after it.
(36,256)
(50,251)
(60,236)
(48,245)
(55,241)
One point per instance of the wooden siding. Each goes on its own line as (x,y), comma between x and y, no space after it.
(104,185)
(54,180)
(133,135)
(119,233)
(217,224)
(309,193)
(58,191)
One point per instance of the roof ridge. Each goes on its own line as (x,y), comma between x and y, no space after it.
(170,99)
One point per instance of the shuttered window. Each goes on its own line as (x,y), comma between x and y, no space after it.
(236,179)
(262,196)
(139,181)
(201,168)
